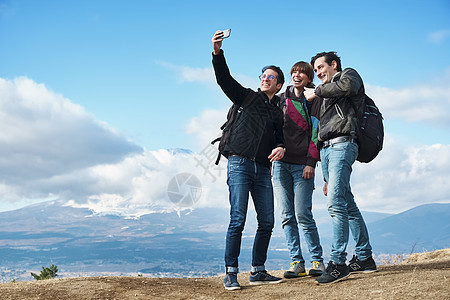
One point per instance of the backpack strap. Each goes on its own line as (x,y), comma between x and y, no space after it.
(218,158)
(218,155)
(231,115)
(354,133)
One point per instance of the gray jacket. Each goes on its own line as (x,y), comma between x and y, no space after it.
(337,114)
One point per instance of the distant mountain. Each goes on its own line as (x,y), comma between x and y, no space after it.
(423,228)
(77,239)
(183,244)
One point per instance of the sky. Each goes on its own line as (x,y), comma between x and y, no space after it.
(105,104)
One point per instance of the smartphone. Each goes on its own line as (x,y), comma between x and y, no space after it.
(226,33)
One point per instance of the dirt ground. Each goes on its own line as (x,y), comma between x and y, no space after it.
(422,276)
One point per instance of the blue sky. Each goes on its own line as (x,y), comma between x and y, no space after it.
(131,78)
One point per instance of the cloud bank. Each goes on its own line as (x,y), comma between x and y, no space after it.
(52,148)
(46,139)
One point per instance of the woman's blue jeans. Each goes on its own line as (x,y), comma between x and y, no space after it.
(337,161)
(294,197)
(248,177)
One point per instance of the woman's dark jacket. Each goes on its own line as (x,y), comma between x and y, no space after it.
(300,128)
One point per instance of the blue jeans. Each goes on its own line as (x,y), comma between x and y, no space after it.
(246,176)
(294,198)
(337,161)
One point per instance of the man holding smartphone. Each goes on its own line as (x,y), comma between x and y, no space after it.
(255,141)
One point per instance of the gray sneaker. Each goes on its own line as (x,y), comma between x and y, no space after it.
(297,270)
(262,277)
(317,268)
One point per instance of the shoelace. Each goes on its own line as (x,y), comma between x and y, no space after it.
(293,264)
(315,264)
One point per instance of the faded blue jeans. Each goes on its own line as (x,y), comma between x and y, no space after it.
(294,197)
(337,161)
(248,177)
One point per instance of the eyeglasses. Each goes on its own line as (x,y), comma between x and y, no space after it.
(264,76)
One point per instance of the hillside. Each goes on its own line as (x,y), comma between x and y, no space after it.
(422,276)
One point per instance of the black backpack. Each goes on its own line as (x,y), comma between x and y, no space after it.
(232,115)
(370,131)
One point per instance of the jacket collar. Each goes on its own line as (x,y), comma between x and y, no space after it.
(274,101)
(289,93)
(336,76)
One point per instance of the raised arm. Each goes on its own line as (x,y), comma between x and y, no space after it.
(233,89)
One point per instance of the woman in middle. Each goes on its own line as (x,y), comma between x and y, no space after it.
(293,176)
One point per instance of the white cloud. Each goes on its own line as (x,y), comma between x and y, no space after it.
(51,148)
(403,177)
(439,36)
(140,183)
(206,126)
(205,75)
(425,103)
(189,74)
(45,138)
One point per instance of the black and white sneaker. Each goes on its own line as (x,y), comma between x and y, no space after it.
(362,266)
(333,273)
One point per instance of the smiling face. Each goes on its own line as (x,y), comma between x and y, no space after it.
(324,71)
(299,80)
(269,82)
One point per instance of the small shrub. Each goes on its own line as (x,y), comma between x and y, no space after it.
(46,273)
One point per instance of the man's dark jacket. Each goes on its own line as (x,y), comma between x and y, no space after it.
(341,97)
(258,127)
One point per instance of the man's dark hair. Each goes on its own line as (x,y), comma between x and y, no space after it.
(329,57)
(305,68)
(280,77)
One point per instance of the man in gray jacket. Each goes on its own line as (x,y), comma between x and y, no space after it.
(342,93)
